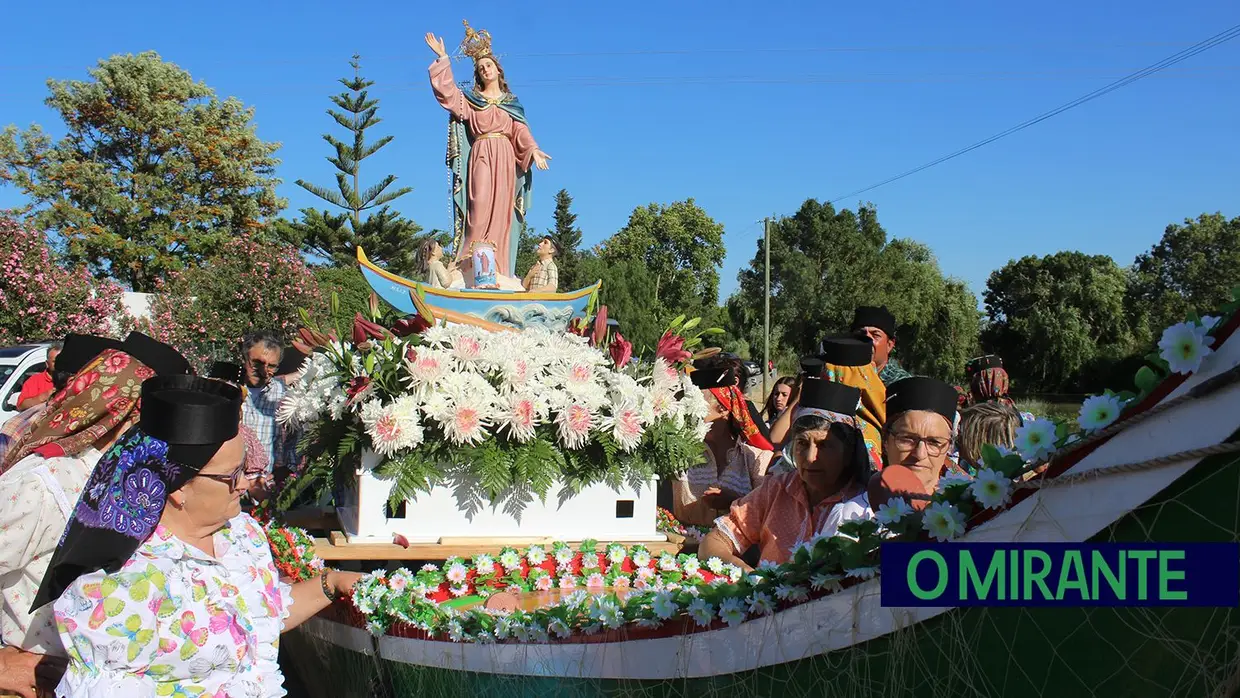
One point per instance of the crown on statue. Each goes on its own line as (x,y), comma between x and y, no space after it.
(476,44)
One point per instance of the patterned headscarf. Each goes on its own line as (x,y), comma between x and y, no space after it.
(733,400)
(873,454)
(15,426)
(100,399)
(990,385)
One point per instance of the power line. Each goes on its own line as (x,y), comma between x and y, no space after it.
(1217,39)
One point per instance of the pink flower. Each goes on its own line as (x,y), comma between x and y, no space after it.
(595,581)
(543,583)
(671,348)
(621,351)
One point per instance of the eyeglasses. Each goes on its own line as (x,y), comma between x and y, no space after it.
(934,447)
(233,479)
(263,367)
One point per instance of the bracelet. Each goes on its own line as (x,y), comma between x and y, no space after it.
(327,590)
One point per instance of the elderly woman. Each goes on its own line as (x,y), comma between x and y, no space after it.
(50,463)
(921,414)
(832,465)
(737,452)
(162,587)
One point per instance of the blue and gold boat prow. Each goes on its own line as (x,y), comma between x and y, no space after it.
(492,309)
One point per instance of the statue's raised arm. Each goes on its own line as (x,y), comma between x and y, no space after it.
(490,153)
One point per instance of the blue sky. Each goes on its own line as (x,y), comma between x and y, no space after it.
(749,111)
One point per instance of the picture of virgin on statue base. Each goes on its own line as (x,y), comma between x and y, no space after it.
(480,271)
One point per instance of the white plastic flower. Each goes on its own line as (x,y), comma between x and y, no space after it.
(787,592)
(1099,412)
(664,606)
(761,604)
(943,520)
(701,612)
(825,582)
(564,555)
(1209,321)
(510,559)
(559,628)
(991,489)
(1035,440)
(1183,346)
(893,511)
(483,564)
(862,572)
(536,555)
(715,565)
(732,611)
(953,478)
(457,573)
(616,554)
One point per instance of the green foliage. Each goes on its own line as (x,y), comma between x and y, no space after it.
(350,286)
(204,311)
(567,237)
(628,292)
(681,247)
(1054,318)
(825,263)
(388,238)
(1192,269)
(154,173)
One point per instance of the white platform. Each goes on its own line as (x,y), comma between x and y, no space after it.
(450,511)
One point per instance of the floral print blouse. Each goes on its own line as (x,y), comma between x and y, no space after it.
(174,621)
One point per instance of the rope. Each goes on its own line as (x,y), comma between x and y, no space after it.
(1122,468)
(1206,387)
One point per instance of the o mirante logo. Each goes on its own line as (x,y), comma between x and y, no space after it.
(1061,574)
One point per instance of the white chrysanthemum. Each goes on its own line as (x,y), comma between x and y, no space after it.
(1183,346)
(1099,412)
(943,520)
(893,511)
(616,554)
(625,425)
(991,489)
(428,367)
(457,573)
(520,414)
(665,378)
(641,558)
(520,371)
(574,424)
(1035,440)
(536,555)
(392,428)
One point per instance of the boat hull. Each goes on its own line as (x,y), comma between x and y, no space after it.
(487,308)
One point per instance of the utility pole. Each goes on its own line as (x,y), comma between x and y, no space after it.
(766,322)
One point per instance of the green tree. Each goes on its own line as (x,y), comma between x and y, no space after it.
(1193,268)
(567,236)
(153,174)
(628,292)
(682,248)
(1056,318)
(386,236)
(825,263)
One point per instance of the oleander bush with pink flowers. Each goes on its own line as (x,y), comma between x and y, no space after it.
(250,284)
(41,300)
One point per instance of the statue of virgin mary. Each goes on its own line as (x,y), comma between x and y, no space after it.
(491,153)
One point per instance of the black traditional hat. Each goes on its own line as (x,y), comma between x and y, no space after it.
(846,351)
(227,371)
(291,361)
(982,363)
(81,349)
(812,365)
(184,421)
(713,377)
(874,316)
(919,393)
(157,356)
(818,394)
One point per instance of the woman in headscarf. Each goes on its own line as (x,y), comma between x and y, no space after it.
(988,381)
(831,464)
(50,464)
(920,432)
(162,586)
(847,361)
(737,454)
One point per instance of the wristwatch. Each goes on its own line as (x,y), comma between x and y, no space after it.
(327,590)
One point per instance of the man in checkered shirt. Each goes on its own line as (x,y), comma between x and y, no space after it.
(544,276)
(260,354)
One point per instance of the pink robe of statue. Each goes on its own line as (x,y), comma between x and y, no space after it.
(493,163)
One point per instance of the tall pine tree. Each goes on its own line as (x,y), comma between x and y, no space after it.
(387,237)
(567,237)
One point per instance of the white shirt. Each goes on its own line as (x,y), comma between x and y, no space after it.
(37,496)
(855,509)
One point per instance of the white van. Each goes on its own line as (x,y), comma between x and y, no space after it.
(16,365)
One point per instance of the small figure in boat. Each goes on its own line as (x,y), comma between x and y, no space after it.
(434,271)
(544,276)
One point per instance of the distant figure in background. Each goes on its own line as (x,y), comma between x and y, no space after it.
(39,388)
(261,354)
(544,276)
(988,381)
(877,325)
(777,401)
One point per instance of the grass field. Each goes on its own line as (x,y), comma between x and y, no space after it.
(1060,411)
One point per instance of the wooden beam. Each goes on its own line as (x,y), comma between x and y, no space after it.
(336,547)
